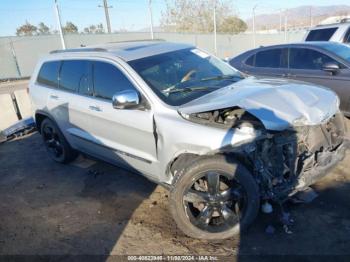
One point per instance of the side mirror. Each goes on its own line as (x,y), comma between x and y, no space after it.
(126,99)
(226,59)
(331,67)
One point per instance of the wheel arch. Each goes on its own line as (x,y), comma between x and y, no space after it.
(185,158)
(39,117)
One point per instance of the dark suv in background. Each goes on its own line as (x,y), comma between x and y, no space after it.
(322,63)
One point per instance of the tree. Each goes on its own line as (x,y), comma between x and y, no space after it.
(94,29)
(70,28)
(26,30)
(197,16)
(232,25)
(43,29)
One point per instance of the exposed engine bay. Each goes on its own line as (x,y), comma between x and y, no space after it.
(283,162)
(230,117)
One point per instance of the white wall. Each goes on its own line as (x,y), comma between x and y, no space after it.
(29,49)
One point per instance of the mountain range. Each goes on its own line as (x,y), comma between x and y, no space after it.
(297,17)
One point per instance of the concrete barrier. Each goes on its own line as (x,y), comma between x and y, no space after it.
(24,103)
(8,114)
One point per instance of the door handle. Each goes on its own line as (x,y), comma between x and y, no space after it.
(95,108)
(288,75)
(54,97)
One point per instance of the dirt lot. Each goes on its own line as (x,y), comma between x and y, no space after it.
(52,209)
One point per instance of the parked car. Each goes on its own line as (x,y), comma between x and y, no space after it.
(190,122)
(321,63)
(337,32)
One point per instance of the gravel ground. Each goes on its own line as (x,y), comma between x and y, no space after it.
(92,208)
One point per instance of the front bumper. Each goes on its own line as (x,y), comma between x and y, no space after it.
(327,161)
(290,161)
(328,143)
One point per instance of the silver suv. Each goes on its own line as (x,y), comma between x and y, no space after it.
(221,143)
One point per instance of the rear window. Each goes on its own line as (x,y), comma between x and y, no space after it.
(321,34)
(74,76)
(347,37)
(273,58)
(250,61)
(48,74)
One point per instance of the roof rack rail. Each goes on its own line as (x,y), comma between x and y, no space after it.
(341,21)
(78,50)
(137,40)
(345,20)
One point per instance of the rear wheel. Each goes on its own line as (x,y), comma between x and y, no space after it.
(55,143)
(214,198)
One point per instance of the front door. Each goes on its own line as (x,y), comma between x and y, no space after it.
(306,65)
(123,136)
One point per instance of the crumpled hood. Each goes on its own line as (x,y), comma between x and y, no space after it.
(277,103)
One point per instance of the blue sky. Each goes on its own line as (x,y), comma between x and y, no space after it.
(125,14)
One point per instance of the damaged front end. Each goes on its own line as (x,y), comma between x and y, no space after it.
(283,162)
(293,159)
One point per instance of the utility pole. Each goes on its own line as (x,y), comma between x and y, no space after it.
(214,17)
(280,20)
(57,11)
(106,7)
(310,16)
(254,39)
(285,25)
(151,17)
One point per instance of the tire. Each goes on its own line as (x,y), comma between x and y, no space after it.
(229,218)
(56,144)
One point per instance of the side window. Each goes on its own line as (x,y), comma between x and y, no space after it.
(48,74)
(302,58)
(250,61)
(347,37)
(273,58)
(109,80)
(74,76)
(321,34)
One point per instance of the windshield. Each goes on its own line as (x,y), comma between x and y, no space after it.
(184,75)
(340,50)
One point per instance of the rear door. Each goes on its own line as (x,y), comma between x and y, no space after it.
(306,64)
(267,63)
(75,81)
(67,106)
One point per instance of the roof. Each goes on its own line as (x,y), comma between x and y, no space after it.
(344,23)
(131,50)
(320,44)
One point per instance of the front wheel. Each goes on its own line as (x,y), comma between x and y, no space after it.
(215,197)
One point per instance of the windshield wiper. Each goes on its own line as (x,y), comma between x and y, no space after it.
(175,88)
(221,77)
(190,89)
